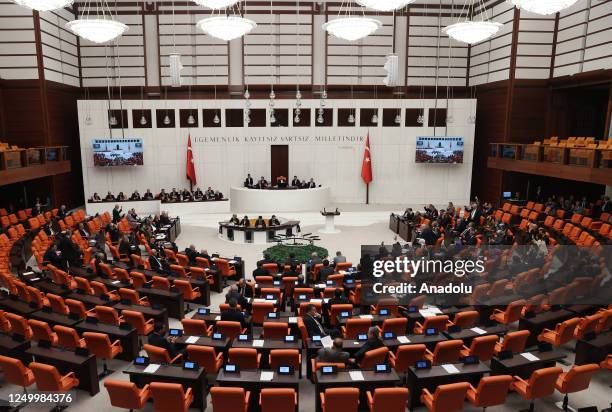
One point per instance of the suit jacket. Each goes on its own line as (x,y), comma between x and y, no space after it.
(191,254)
(295,182)
(155,263)
(368,346)
(160,341)
(313,326)
(116,215)
(324,272)
(261,272)
(234,316)
(245,291)
(332,355)
(241,299)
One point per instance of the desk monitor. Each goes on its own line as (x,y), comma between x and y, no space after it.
(329,283)
(329,370)
(231,368)
(423,364)
(388,335)
(351,269)
(289,338)
(349,281)
(203,311)
(505,354)
(276,283)
(382,368)
(141,360)
(507,195)
(285,370)
(412,309)
(175,332)
(316,338)
(430,332)
(454,329)
(272,315)
(470,360)
(191,366)
(217,336)
(383,312)
(345,314)
(362,337)
(301,297)
(244,338)
(270,297)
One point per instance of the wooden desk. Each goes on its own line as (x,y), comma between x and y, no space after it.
(541,321)
(467,335)
(196,380)
(221,345)
(15,349)
(417,380)
(371,380)
(159,315)
(250,381)
(19,307)
(268,345)
(84,367)
(523,367)
(53,318)
(128,338)
(91,301)
(376,319)
(47,286)
(81,272)
(172,301)
(595,350)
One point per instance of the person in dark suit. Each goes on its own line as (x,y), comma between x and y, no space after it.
(62,213)
(262,183)
(117,213)
(243,289)
(311,184)
(235,295)
(335,354)
(245,221)
(148,195)
(428,235)
(325,271)
(295,182)
(338,299)
(52,255)
(234,220)
(233,314)
(260,222)
(292,260)
(124,246)
(96,197)
(266,259)
(135,195)
(248,182)
(155,263)
(70,251)
(261,271)
(372,343)
(291,272)
(82,231)
(158,339)
(314,324)
(109,197)
(191,253)
(273,221)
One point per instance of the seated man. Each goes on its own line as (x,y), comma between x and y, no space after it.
(262,183)
(96,197)
(218,195)
(326,271)
(148,195)
(261,271)
(233,314)
(260,222)
(338,299)
(236,295)
(245,221)
(295,182)
(109,197)
(135,195)
(163,196)
(157,264)
(198,194)
(191,254)
(281,181)
(311,184)
(234,220)
(248,182)
(335,354)
(339,258)
(314,324)
(291,272)
(273,221)
(121,197)
(186,196)
(210,194)
(373,342)
(158,339)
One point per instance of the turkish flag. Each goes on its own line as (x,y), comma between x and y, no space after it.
(366,166)
(191,175)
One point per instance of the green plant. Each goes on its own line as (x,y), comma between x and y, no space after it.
(280,253)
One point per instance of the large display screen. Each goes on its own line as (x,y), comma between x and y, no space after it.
(436,149)
(117,152)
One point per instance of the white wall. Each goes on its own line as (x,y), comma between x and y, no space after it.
(332,155)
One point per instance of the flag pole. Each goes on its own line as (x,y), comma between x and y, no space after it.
(367,193)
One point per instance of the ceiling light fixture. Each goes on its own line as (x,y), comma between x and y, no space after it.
(44,5)
(472,31)
(542,7)
(216,119)
(374,119)
(143,120)
(97,23)
(215,4)
(385,5)
(352,28)
(226,28)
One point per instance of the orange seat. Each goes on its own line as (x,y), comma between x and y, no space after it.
(465,319)
(126,395)
(19,326)
(356,327)
(514,342)
(511,314)
(133,297)
(195,327)
(388,399)
(395,325)
(406,356)
(340,400)
(57,304)
(230,399)
(100,345)
(68,338)
(285,357)
(245,358)
(160,355)
(259,310)
(205,357)
(605,322)
(445,352)
(106,314)
(275,330)
(541,383)
(42,332)
(182,259)
(482,346)
(170,397)
(439,323)
(5,325)
(586,325)
(76,308)
(137,320)
(563,333)
(446,398)
(607,363)
(336,310)
(491,391)
(229,328)
(15,372)
(576,379)
(374,357)
(225,268)
(159,282)
(277,400)
(49,379)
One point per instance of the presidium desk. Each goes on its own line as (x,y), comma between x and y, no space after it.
(269,201)
(257,235)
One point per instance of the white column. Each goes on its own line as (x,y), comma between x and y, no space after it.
(152,52)
(236,62)
(401,39)
(318,50)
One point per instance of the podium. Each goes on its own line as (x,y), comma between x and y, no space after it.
(394,223)
(405,230)
(330,226)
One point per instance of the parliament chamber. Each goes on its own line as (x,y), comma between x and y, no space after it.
(306,206)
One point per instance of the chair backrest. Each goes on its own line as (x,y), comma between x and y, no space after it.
(586,325)
(390,400)
(407,356)
(204,356)
(160,283)
(19,325)
(182,259)
(447,351)
(15,372)
(168,397)
(228,328)
(436,322)
(484,347)
(47,377)
(466,319)
(67,338)
(450,397)
(194,327)
(577,378)
(336,310)
(259,311)
(515,341)
(99,344)
(374,357)
(341,399)
(565,330)
(178,270)
(275,330)
(130,294)
(76,308)
(492,390)
(107,314)
(357,326)
(42,331)
(57,304)
(125,394)
(36,296)
(395,325)
(285,357)
(228,399)
(99,288)
(542,382)
(277,400)
(138,279)
(245,358)
(202,262)
(157,354)
(135,319)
